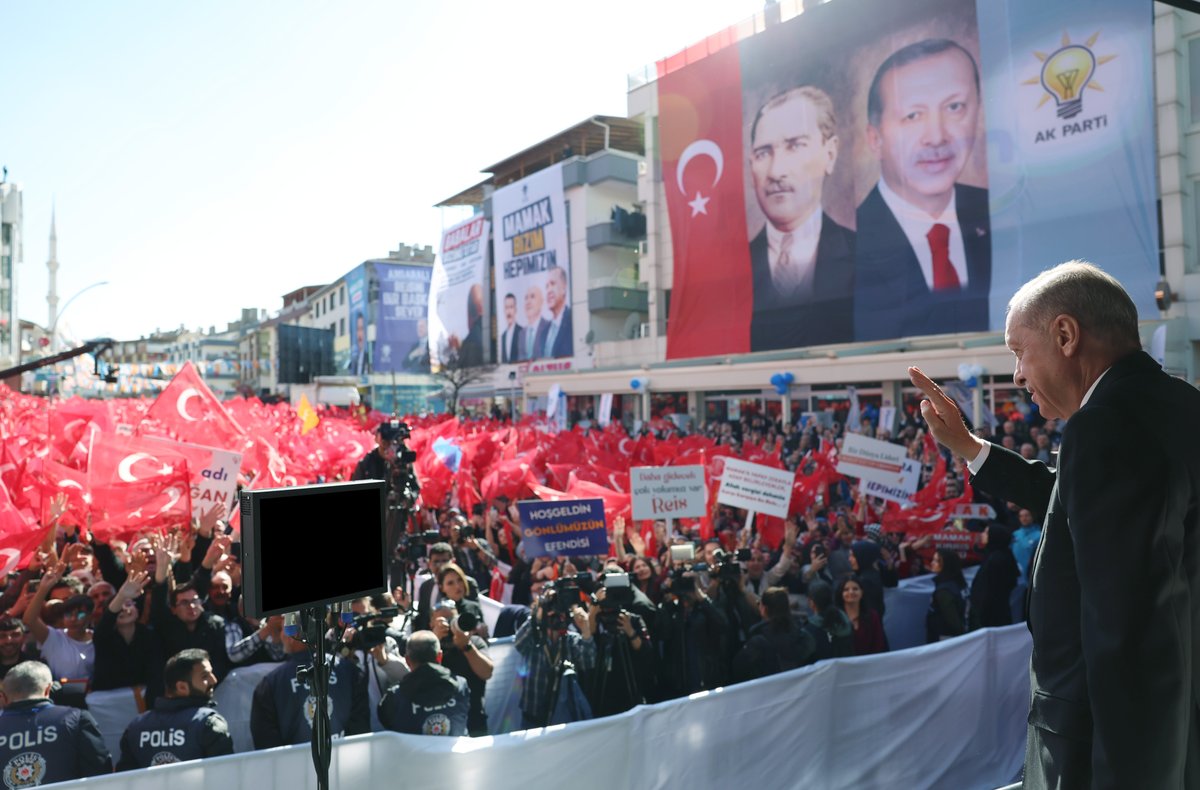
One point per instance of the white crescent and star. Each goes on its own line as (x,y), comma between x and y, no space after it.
(181,404)
(695,149)
(125,468)
(70,484)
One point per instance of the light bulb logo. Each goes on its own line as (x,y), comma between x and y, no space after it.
(1067,72)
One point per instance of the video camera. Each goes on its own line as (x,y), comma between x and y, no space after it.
(729,566)
(563,594)
(370,630)
(414,545)
(618,592)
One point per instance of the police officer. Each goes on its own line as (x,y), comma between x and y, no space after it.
(281,712)
(41,742)
(430,700)
(183,724)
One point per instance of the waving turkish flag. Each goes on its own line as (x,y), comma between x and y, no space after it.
(138,484)
(20,535)
(190,411)
(700,117)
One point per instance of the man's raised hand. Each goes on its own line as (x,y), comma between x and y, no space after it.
(945,420)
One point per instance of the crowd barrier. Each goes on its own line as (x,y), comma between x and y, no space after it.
(905,608)
(947,715)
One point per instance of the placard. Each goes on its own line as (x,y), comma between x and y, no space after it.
(871,459)
(762,489)
(566,526)
(215,485)
(668,492)
(902,491)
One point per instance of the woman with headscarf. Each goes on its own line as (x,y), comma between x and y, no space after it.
(865,558)
(948,605)
(994,581)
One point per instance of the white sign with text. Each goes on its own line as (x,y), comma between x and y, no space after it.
(668,492)
(902,491)
(762,489)
(871,459)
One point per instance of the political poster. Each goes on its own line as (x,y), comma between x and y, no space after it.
(869,170)
(668,492)
(871,459)
(762,489)
(456,296)
(564,527)
(401,327)
(358,362)
(532,261)
(900,491)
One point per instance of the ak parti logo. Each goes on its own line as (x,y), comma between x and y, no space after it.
(1066,74)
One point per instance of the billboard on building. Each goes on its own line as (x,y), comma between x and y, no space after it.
(359,361)
(456,295)
(871,170)
(401,327)
(532,256)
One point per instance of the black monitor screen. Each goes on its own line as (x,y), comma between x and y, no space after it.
(309,545)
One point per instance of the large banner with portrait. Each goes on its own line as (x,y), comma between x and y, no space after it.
(532,256)
(871,170)
(456,321)
(359,361)
(401,329)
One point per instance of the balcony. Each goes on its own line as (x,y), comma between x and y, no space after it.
(621,292)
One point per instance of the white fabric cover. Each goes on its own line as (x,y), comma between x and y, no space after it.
(948,715)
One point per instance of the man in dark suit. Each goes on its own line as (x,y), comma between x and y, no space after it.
(924,255)
(554,334)
(802,261)
(1114,599)
(510,338)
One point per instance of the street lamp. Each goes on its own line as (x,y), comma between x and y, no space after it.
(58,314)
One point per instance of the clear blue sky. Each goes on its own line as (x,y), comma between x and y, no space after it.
(206,157)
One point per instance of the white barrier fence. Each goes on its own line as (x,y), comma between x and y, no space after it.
(947,715)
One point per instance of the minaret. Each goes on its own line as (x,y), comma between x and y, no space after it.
(52,267)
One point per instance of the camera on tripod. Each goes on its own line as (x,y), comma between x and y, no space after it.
(618,592)
(414,545)
(396,432)
(563,594)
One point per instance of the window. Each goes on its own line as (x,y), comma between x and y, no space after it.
(342,297)
(341,327)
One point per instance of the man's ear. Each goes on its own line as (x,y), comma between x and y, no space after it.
(1065,331)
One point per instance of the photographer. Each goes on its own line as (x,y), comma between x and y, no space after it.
(779,643)
(624,674)
(692,634)
(430,700)
(440,555)
(464,652)
(547,645)
(368,645)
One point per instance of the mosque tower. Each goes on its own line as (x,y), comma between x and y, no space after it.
(52,267)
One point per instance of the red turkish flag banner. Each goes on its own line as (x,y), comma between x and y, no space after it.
(700,120)
(20,535)
(137,484)
(190,411)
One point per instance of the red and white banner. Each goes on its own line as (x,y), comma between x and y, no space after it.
(700,118)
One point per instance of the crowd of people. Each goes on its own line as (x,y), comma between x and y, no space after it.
(664,615)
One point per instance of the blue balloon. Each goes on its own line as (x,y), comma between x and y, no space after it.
(972,382)
(781,389)
(776,380)
(635,383)
(788,378)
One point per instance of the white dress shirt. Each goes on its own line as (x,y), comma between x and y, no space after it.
(802,256)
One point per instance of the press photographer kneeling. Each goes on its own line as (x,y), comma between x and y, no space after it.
(692,632)
(553,652)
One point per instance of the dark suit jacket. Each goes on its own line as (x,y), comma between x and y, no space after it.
(1114,600)
(891,298)
(509,352)
(563,342)
(828,317)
